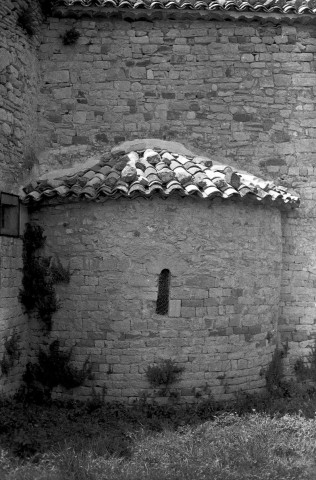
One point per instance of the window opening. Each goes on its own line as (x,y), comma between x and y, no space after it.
(9,214)
(162,306)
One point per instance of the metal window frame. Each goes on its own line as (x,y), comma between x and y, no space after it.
(11,200)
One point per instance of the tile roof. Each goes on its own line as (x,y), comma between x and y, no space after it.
(147,168)
(257,6)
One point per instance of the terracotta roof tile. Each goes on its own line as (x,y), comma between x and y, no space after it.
(183,176)
(268,6)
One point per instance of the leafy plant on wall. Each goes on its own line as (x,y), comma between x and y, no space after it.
(27,18)
(53,368)
(11,353)
(40,274)
(306,371)
(47,6)
(71,36)
(164,374)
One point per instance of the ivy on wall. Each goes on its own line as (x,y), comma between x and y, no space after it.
(40,274)
(27,18)
(47,6)
(11,353)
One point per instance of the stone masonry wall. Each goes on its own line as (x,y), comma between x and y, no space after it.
(225,263)
(12,319)
(242,92)
(19,71)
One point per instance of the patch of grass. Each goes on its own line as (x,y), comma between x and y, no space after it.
(228,448)
(262,437)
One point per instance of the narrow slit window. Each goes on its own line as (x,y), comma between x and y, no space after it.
(162,306)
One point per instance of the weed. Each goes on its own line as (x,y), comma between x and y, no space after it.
(24,445)
(29,160)
(305,371)
(11,353)
(97,401)
(71,36)
(205,409)
(274,374)
(165,374)
(53,368)
(56,272)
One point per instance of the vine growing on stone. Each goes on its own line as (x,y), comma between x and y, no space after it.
(11,353)
(40,274)
(28,19)
(47,6)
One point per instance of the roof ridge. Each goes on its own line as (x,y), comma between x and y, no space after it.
(130,173)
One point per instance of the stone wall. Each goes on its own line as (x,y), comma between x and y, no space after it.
(225,263)
(18,142)
(228,87)
(18,97)
(12,320)
(242,92)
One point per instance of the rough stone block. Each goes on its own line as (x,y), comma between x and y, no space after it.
(62,93)
(56,76)
(187,312)
(174,308)
(304,79)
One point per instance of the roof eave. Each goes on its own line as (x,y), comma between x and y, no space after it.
(140,13)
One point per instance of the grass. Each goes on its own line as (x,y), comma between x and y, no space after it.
(111,442)
(228,448)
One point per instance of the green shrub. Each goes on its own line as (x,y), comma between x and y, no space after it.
(71,36)
(165,374)
(53,368)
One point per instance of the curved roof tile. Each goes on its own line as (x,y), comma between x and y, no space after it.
(163,176)
(269,6)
